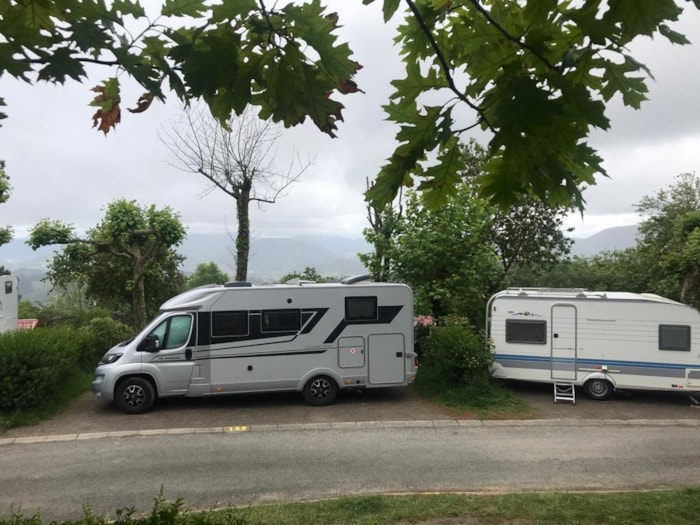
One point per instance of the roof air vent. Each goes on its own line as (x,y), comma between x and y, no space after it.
(238,284)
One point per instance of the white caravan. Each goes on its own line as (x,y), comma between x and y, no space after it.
(9,303)
(236,338)
(599,340)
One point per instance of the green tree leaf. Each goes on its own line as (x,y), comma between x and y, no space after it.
(193,8)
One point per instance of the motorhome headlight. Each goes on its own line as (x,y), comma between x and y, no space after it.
(108,359)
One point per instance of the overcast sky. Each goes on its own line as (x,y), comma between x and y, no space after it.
(62,169)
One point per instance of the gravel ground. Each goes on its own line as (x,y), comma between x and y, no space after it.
(89,414)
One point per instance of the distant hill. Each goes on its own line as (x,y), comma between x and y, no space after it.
(270,257)
(616,238)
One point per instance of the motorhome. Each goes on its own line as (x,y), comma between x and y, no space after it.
(601,341)
(239,338)
(9,303)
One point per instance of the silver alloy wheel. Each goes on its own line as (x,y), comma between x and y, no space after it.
(320,388)
(134,396)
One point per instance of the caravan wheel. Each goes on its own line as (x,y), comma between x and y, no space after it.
(320,390)
(598,389)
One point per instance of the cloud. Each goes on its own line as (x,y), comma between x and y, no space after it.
(61,168)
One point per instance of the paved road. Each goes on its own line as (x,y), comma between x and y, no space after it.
(220,466)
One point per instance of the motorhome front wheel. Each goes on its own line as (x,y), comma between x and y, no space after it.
(134,395)
(320,390)
(598,389)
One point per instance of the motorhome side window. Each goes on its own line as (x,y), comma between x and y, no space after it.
(281,320)
(8,286)
(173,332)
(530,331)
(226,324)
(360,308)
(674,337)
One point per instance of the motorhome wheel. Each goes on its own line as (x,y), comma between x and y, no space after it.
(134,395)
(598,389)
(320,390)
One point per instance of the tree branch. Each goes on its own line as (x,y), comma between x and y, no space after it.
(518,41)
(443,63)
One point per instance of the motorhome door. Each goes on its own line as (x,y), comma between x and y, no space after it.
(387,358)
(563,341)
(174,357)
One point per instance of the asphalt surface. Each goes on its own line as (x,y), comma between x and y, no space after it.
(253,467)
(91,415)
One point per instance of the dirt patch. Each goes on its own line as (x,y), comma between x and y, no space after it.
(89,414)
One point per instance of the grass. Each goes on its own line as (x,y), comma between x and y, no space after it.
(483,398)
(672,507)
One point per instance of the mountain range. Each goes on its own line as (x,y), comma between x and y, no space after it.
(270,257)
(616,238)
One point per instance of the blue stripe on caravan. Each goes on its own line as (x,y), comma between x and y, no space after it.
(581,361)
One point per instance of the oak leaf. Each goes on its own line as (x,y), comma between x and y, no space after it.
(104,120)
(108,114)
(142,104)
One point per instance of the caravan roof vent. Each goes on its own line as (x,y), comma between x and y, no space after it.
(356,279)
(238,284)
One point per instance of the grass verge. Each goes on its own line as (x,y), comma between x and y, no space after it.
(483,398)
(675,507)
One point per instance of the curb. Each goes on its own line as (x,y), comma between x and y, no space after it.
(356,425)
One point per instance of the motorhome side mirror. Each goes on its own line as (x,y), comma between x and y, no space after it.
(150,343)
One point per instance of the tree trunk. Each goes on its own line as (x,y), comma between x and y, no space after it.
(243,235)
(139,295)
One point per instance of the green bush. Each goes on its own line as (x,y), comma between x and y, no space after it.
(42,370)
(35,366)
(98,336)
(457,352)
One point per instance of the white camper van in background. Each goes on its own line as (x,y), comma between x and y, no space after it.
(601,341)
(237,338)
(9,303)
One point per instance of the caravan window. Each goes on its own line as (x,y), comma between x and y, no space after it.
(226,324)
(531,331)
(674,337)
(360,308)
(281,320)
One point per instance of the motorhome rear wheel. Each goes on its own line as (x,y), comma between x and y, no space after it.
(134,395)
(598,389)
(320,391)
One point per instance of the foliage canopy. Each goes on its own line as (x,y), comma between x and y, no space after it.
(536,75)
(127,262)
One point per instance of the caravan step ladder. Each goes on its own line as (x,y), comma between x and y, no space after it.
(564,392)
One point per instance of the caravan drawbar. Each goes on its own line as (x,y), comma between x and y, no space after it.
(601,341)
(240,338)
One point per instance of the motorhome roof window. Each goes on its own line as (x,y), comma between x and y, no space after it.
(361,308)
(529,331)
(281,320)
(226,324)
(674,337)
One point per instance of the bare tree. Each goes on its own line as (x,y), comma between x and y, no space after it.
(238,159)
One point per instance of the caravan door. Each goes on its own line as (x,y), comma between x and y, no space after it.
(563,341)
